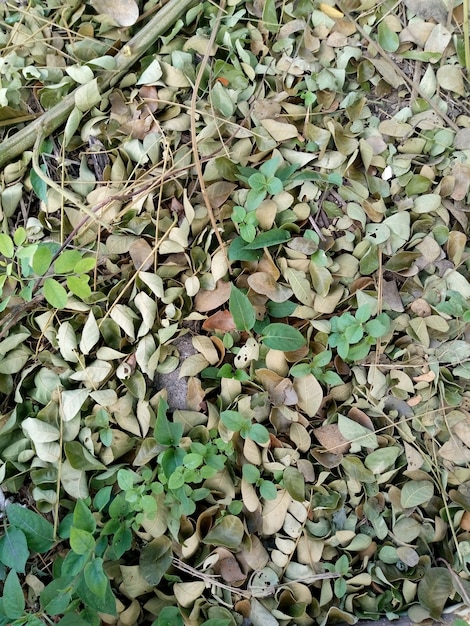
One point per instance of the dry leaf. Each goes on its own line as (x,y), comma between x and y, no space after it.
(210,300)
(331,439)
(222,320)
(123,12)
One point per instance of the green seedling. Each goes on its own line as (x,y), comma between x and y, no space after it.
(353,335)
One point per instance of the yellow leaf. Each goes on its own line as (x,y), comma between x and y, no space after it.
(330,11)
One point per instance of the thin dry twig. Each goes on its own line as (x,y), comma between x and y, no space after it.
(197,160)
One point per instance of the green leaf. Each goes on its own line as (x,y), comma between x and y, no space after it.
(254,198)
(387,38)
(270,20)
(38,531)
(415,493)
(85,265)
(268,490)
(169,616)
(155,559)
(81,541)
(258,433)
(237,251)
(294,482)
(354,468)
(79,286)
(274,186)
(95,577)
(250,473)
(38,184)
(363,313)
(282,337)
(257,182)
(67,261)
(83,518)
(222,100)
(13,598)
(269,238)
(42,260)
(228,532)
(167,433)
(87,96)
(90,599)
(54,293)
(281,309)
(434,590)
(233,420)
(14,549)
(242,310)
(56,597)
(6,245)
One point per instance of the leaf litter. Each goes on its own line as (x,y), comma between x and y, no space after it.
(234,317)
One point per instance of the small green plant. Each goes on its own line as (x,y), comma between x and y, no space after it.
(341,568)
(317,367)
(266,180)
(237,423)
(171,616)
(252,475)
(455,305)
(353,335)
(246,222)
(28,267)
(79,588)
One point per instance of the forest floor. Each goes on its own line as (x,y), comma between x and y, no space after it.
(234,315)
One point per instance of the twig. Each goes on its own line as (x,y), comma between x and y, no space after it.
(197,160)
(253,591)
(466,36)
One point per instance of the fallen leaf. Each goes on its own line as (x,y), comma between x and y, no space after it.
(123,12)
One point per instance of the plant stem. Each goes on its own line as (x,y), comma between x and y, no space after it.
(466,35)
(52,119)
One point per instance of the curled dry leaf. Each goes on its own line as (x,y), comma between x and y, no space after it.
(123,12)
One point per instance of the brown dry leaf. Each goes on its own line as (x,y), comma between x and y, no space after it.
(462,140)
(142,254)
(361,418)
(249,496)
(428,377)
(210,300)
(219,192)
(205,346)
(265,284)
(455,451)
(331,439)
(281,390)
(461,174)
(462,430)
(123,12)
(222,320)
